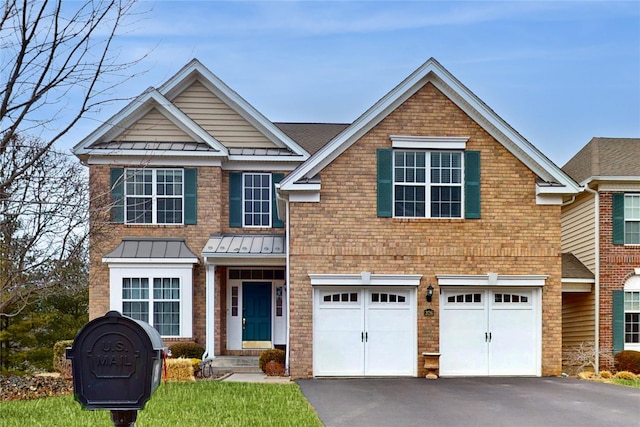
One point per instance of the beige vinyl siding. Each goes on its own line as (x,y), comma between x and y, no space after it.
(154,127)
(578,320)
(219,119)
(579,230)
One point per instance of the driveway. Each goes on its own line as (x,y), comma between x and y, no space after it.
(462,402)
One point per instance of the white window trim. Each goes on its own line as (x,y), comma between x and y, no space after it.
(184,272)
(429,142)
(632,285)
(365,279)
(634,220)
(428,184)
(154,196)
(244,225)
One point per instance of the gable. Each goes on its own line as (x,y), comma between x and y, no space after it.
(549,189)
(218,119)
(153,126)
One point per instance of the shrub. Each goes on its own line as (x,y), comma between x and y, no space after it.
(60,362)
(274,369)
(625,375)
(628,360)
(188,350)
(586,375)
(605,374)
(273,355)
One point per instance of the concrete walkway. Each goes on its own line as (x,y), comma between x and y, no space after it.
(255,378)
(457,402)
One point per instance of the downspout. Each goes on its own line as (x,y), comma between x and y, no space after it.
(288,278)
(597,273)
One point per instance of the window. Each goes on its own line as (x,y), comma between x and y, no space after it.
(164,306)
(428,183)
(256,199)
(159,294)
(632,219)
(252,199)
(632,317)
(153,196)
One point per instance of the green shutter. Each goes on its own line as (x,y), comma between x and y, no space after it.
(385,182)
(618,218)
(275,221)
(117,195)
(618,321)
(472,184)
(235,199)
(191,196)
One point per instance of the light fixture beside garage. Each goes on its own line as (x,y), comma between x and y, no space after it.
(429,293)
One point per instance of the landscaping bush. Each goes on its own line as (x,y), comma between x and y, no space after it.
(60,362)
(273,355)
(188,350)
(625,375)
(628,360)
(274,369)
(605,374)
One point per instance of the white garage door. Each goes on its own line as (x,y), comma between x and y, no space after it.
(364,331)
(490,332)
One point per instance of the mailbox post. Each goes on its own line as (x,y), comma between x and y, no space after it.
(117,364)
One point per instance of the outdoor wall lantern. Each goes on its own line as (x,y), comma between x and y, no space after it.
(429,293)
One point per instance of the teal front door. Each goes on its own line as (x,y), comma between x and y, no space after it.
(256,315)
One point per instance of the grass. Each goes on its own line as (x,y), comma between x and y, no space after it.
(202,403)
(629,383)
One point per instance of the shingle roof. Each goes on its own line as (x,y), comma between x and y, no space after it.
(152,248)
(606,157)
(572,268)
(312,136)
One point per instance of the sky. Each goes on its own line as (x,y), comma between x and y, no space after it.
(558,72)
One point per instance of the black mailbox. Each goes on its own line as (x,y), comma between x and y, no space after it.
(116,363)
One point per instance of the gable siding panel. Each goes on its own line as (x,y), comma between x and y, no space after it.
(579,230)
(219,119)
(154,127)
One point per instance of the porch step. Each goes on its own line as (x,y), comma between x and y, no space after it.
(222,365)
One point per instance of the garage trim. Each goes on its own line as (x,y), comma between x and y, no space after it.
(365,279)
(492,279)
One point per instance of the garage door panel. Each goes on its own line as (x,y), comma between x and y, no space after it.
(494,334)
(375,336)
(463,353)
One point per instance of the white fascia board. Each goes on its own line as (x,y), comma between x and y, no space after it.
(619,186)
(246,164)
(150,159)
(491,279)
(429,142)
(578,280)
(195,69)
(161,262)
(365,279)
(296,160)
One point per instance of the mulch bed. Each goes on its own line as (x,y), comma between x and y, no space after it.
(25,387)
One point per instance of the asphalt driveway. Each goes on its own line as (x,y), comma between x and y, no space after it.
(462,402)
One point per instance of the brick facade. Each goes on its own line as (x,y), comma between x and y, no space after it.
(342,234)
(617,263)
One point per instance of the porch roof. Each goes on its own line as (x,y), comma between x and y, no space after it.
(244,246)
(149,249)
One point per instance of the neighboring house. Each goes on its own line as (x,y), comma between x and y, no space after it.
(426,225)
(601,229)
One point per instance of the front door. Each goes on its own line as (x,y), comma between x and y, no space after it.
(256,315)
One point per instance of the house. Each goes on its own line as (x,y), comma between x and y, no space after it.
(426,225)
(601,230)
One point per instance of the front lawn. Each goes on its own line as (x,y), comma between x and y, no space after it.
(202,403)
